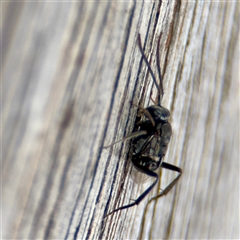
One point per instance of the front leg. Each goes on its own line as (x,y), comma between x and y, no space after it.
(143,111)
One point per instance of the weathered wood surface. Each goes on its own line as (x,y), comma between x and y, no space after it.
(71,73)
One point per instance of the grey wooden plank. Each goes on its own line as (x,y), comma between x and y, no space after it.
(71,77)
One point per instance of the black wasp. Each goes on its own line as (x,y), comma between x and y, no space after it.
(151,140)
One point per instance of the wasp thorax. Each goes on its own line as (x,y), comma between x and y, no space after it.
(159,113)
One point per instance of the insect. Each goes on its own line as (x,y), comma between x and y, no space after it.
(152,138)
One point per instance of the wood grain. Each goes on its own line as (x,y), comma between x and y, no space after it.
(72,75)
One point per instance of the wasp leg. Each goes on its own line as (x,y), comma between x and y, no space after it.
(132,135)
(149,116)
(144,194)
(144,111)
(168,188)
